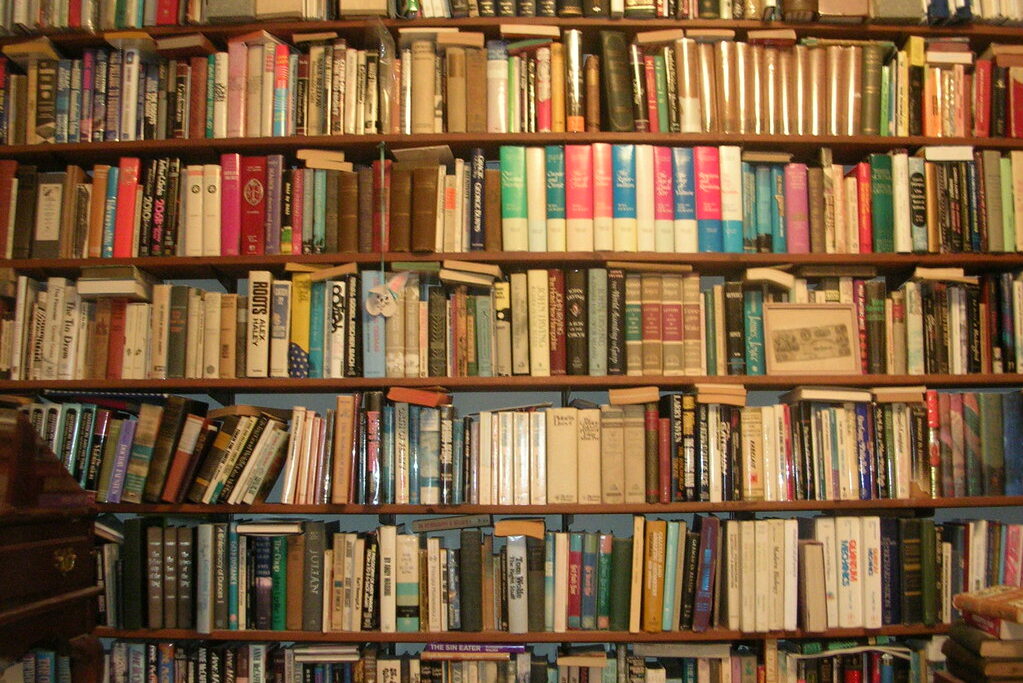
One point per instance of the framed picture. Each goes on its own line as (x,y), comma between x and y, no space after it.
(811,339)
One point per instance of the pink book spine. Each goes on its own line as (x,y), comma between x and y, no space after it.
(543,90)
(797,209)
(603,197)
(707,171)
(1013,548)
(297,209)
(230,204)
(664,196)
(578,182)
(237,56)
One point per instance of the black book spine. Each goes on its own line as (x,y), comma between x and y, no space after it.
(874,300)
(911,589)
(733,481)
(353,330)
(146,210)
(370,606)
(46,101)
(880,425)
(916,96)
(534,583)
(735,344)
(470,568)
(999,101)
(437,334)
(891,574)
(133,575)
(689,580)
(173,210)
(25,213)
(570,8)
(576,337)
(615,321)
(243,458)
(312,577)
(158,220)
(973,328)
(699,474)
(447,455)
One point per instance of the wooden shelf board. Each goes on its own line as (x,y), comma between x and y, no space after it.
(570,509)
(845,147)
(519,383)
(716,263)
(503,637)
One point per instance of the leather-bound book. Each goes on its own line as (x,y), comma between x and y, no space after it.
(424,208)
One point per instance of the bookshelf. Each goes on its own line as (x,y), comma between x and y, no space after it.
(365,148)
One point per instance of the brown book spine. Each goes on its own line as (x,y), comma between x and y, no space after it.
(455,84)
(424,208)
(476,83)
(348,212)
(556,314)
(815,188)
(294,570)
(365,204)
(331,213)
(197,99)
(591,79)
(401,209)
(98,342)
(492,237)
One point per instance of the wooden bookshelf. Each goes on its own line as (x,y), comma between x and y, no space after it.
(566,509)
(518,383)
(504,637)
(849,148)
(703,263)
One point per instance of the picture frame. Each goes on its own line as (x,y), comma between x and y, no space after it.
(811,339)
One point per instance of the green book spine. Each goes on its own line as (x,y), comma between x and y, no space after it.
(928,572)
(710,322)
(513,198)
(992,455)
(621,582)
(881,212)
(884,125)
(972,444)
(616,81)
(107,466)
(870,105)
(605,551)
(1008,207)
(661,91)
(753,309)
(912,579)
(279,577)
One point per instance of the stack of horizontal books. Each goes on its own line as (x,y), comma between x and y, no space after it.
(987,646)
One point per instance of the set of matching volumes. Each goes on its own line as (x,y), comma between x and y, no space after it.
(757,576)
(42,665)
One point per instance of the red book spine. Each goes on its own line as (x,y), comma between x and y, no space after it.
(124,220)
(863,194)
(381,205)
(556,312)
(934,439)
(74,14)
(230,204)
(197,98)
(982,98)
(167,12)
(575,570)
(651,93)
(253,192)
(664,458)
(860,301)
(787,457)
(1016,102)
(115,345)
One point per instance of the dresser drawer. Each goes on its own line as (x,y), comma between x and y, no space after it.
(43,558)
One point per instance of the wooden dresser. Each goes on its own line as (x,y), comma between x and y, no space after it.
(47,569)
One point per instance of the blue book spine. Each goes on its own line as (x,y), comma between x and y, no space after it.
(45,666)
(74,124)
(211,81)
(316,326)
(372,329)
(1012,409)
(387,455)
(484,333)
(588,603)
(555,157)
(623,171)
(685,191)
(670,568)
(753,312)
(477,180)
(99,104)
(865,451)
(85,442)
(429,456)
(413,454)
(453,591)
(548,582)
(232,576)
(749,208)
(458,449)
(319,210)
(64,670)
(764,209)
(110,212)
(575,547)
(62,101)
(779,244)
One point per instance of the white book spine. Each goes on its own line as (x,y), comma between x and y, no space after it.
(762,558)
(129,93)
(497,95)
(257,353)
(211,335)
(646,239)
(351,86)
(486,446)
(848,544)
(211,210)
(56,288)
(588,455)
(900,203)
(68,340)
(290,475)
(254,90)
(520,459)
(504,442)
(334,307)
(537,458)
(791,540)
(769,454)
(220,95)
(86,316)
(536,203)
(159,324)
(870,552)
(748,568)
(387,588)
(730,157)
(194,335)
(194,211)
(518,613)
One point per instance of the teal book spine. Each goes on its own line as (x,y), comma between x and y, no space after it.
(232,577)
(387,455)
(316,328)
(779,240)
(710,320)
(588,606)
(319,210)
(661,91)
(753,314)
(110,211)
(554,156)
(749,208)
(548,582)
(670,569)
(882,214)
(279,592)
(458,466)
(764,210)
(596,320)
(514,215)
(604,582)
(484,336)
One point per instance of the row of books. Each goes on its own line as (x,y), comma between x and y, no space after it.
(459,321)
(106,14)
(579,198)
(671,575)
(448,662)
(39,664)
(453,81)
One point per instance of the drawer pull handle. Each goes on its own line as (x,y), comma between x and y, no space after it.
(64,559)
